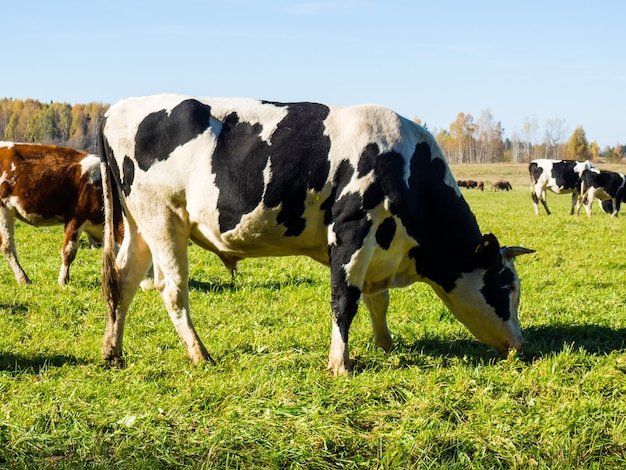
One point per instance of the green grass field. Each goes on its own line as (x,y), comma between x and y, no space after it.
(439,400)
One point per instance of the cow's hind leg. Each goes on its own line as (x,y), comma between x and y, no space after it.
(544,202)
(73,230)
(7,244)
(589,202)
(582,199)
(377,306)
(171,280)
(538,194)
(133,260)
(575,195)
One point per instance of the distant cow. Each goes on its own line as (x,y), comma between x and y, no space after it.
(360,189)
(559,176)
(608,186)
(501,185)
(48,185)
(469,184)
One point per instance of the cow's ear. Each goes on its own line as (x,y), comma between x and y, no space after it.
(488,251)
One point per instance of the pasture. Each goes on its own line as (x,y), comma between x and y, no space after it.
(439,400)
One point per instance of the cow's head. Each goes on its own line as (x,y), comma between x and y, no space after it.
(486,299)
(580,167)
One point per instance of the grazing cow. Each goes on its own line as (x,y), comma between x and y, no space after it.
(608,186)
(559,176)
(501,185)
(359,189)
(49,185)
(469,184)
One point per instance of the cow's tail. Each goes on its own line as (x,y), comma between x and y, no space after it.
(110,277)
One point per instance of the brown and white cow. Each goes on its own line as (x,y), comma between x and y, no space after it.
(360,189)
(501,185)
(49,185)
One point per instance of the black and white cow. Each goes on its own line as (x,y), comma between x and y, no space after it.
(360,189)
(608,186)
(559,176)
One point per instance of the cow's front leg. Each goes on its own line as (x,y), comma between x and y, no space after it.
(73,230)
(344,302)
(7,244)
(377,306)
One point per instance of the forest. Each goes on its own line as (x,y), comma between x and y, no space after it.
(32,121)
(467,140)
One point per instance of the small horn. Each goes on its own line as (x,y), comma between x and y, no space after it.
(510,252)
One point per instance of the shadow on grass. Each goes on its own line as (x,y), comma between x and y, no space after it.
(217,287)
(541,341)
(544,340)
(212,286)
(35,364)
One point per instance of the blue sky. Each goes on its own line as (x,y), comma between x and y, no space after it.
(529,61)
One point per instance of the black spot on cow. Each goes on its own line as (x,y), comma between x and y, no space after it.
(438,215)
(238,163)
(351,226)
(535,171)
(299,163)
(128,175)
(496,291)
(161,132)
(564,174)
(297,157)
(327,206)
(385,233)
(369,159)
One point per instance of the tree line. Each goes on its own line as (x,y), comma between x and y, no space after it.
(466,141)
(482,141)
(32,121)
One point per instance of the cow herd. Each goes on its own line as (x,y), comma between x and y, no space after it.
(359,189)
(498,185)
(582,179)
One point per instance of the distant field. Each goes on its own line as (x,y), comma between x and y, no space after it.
(440,400)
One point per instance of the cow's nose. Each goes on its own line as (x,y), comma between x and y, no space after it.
(519,343)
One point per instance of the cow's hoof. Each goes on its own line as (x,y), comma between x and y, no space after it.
(338,368)
(116,362)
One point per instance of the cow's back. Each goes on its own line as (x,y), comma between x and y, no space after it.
(45,182)
(262,178)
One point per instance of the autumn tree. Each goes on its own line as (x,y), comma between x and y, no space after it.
(489,144)
(578,147)
(56,123)
(594,151)
(445,142)
(555,132)
(462,135)
(613,154)
(529,136)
